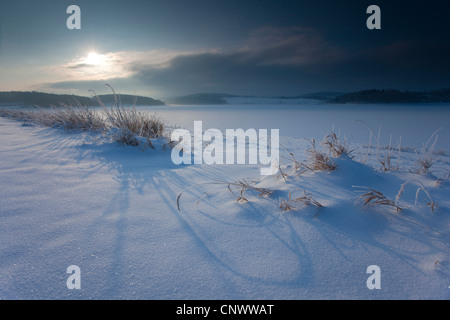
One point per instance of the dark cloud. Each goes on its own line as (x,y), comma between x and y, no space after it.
(234,73)
(420,56)
(407,65)
(290,46)
(79,66)
(274,60)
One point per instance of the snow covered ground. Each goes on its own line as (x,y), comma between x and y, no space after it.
(80,199)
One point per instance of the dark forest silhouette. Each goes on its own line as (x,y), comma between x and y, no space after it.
(42,99)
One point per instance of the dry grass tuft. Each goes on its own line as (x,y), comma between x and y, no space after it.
(334,146)
(372,197)
(239,186)
(72,117)
(424,164)
(432,204)
(68,116)
(425,159)
(130,122)
(244,185)
(124,125)
(386,159)
(292,203)
(282,174)
(297,167)
(25,116)
(238,189)
(319,161)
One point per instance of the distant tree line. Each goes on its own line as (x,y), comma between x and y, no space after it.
(41,99)
(393,96)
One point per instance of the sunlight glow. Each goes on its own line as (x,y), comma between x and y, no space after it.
(95,65)
(95,59)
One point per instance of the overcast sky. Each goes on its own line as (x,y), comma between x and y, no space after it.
(168,48)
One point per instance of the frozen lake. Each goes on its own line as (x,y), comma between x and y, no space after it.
(310,119)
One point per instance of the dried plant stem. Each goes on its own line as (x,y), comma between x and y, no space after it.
(372,197)
(318,160)
(431,202)
(290,203)
(239,185)
(296,165)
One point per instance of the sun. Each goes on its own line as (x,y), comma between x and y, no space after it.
(95,59)
(93,64)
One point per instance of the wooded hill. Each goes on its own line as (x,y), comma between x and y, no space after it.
(41,99)
(393,96)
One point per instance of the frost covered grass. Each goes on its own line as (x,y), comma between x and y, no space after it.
(334,152)
(372,197)
(130,123)
(334,146)
(71,117)
(292,202)
(425,159)
(123,124)
(319,161)
(239,186)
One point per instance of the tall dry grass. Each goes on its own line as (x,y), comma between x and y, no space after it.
(130,121)
(319,161)
(372,197)
(123,124)
(426,159)
(71,117)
